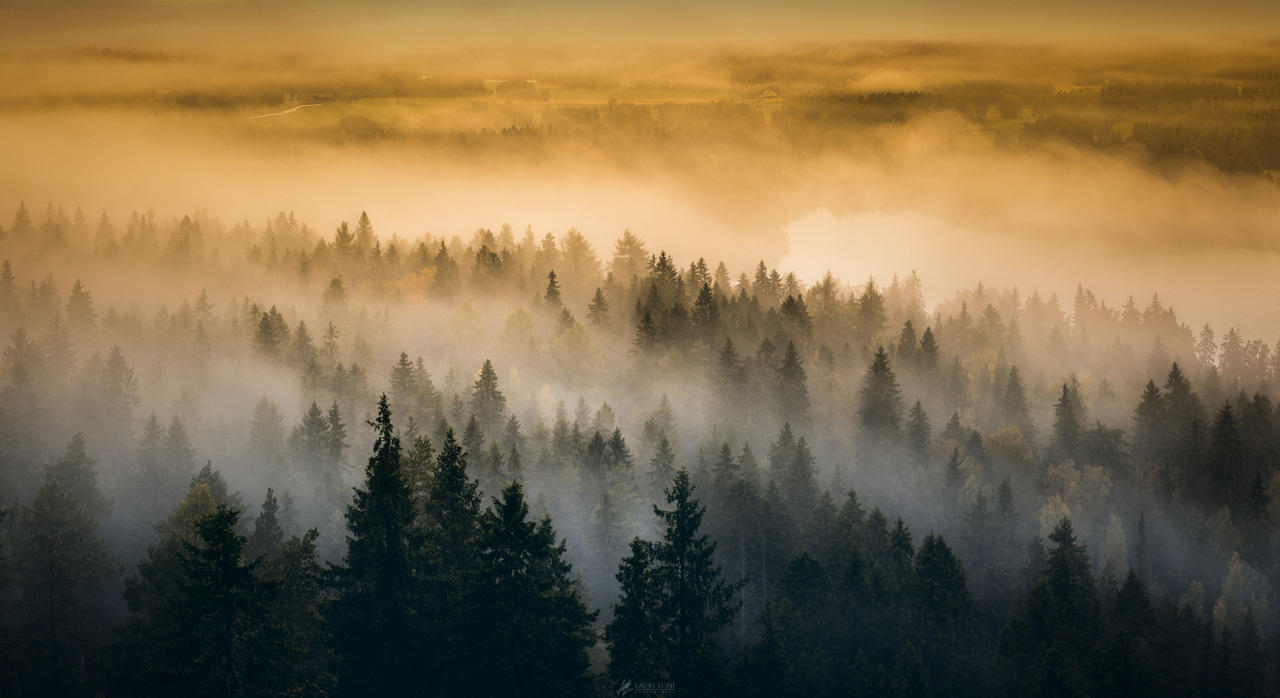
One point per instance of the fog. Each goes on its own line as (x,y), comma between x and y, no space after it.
(936,273)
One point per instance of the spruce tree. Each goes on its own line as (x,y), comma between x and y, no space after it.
(598,309)
(792,393)
(638,646)
(730,383)
(695,600)
(220,650)
(449,561)
(267,538)
(76,471)
(1220,481)
(552,295)
(488,404)
(918,435)
(155,641)
(530,620)
(662,468)
(61,564)
(927,357)
(1067,420)
(880,400)
(1014,404)
(403,390)
(375,613)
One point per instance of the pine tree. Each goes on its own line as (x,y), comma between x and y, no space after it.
(531,621)
(953,479)
(730,382)
(57,348)
(61,564)
(308,443)
(364,239)
(662,467)
(266,439)
(706,315)
(880,401)
(647,336)
(375,619)
(1014,403)
(1149,438)
(165,462)
(552,295)
(638,645)
(155,640)
(908,345)
(869,317)
(299,654)
(272,334)
(268,536)
(927,357)
(488,403)
(1067,419)
(118,390)
(336,441)
(22,227)
(792,393)
(940,597)
(695,600)
(1220,481)
(1052,636)
(403,390)
(598,309)
(76,472)
(449,562)
(919,434)
(220,650)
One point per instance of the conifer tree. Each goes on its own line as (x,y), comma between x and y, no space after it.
(375,620)
(919,434)
(488,404)
(880,400)
(927,357)
(1220,481)
(336,441)
(221,649)
(530,619)
(1014,403)
(403,391)
(552,295)
(268,535)
(638,646)
(1067,420)
(449,560)
(706,316)
(308,443)
(662,467)
(1149,438)
(792,393)
(266,439)
(155,641)
(908,345)
(76,471)
(598,309)
(61,563)
(696,602)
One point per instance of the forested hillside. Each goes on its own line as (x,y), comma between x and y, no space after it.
(266,459)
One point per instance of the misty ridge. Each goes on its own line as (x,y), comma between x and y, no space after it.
(979,496)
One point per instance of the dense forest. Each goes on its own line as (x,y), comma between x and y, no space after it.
(258,459)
